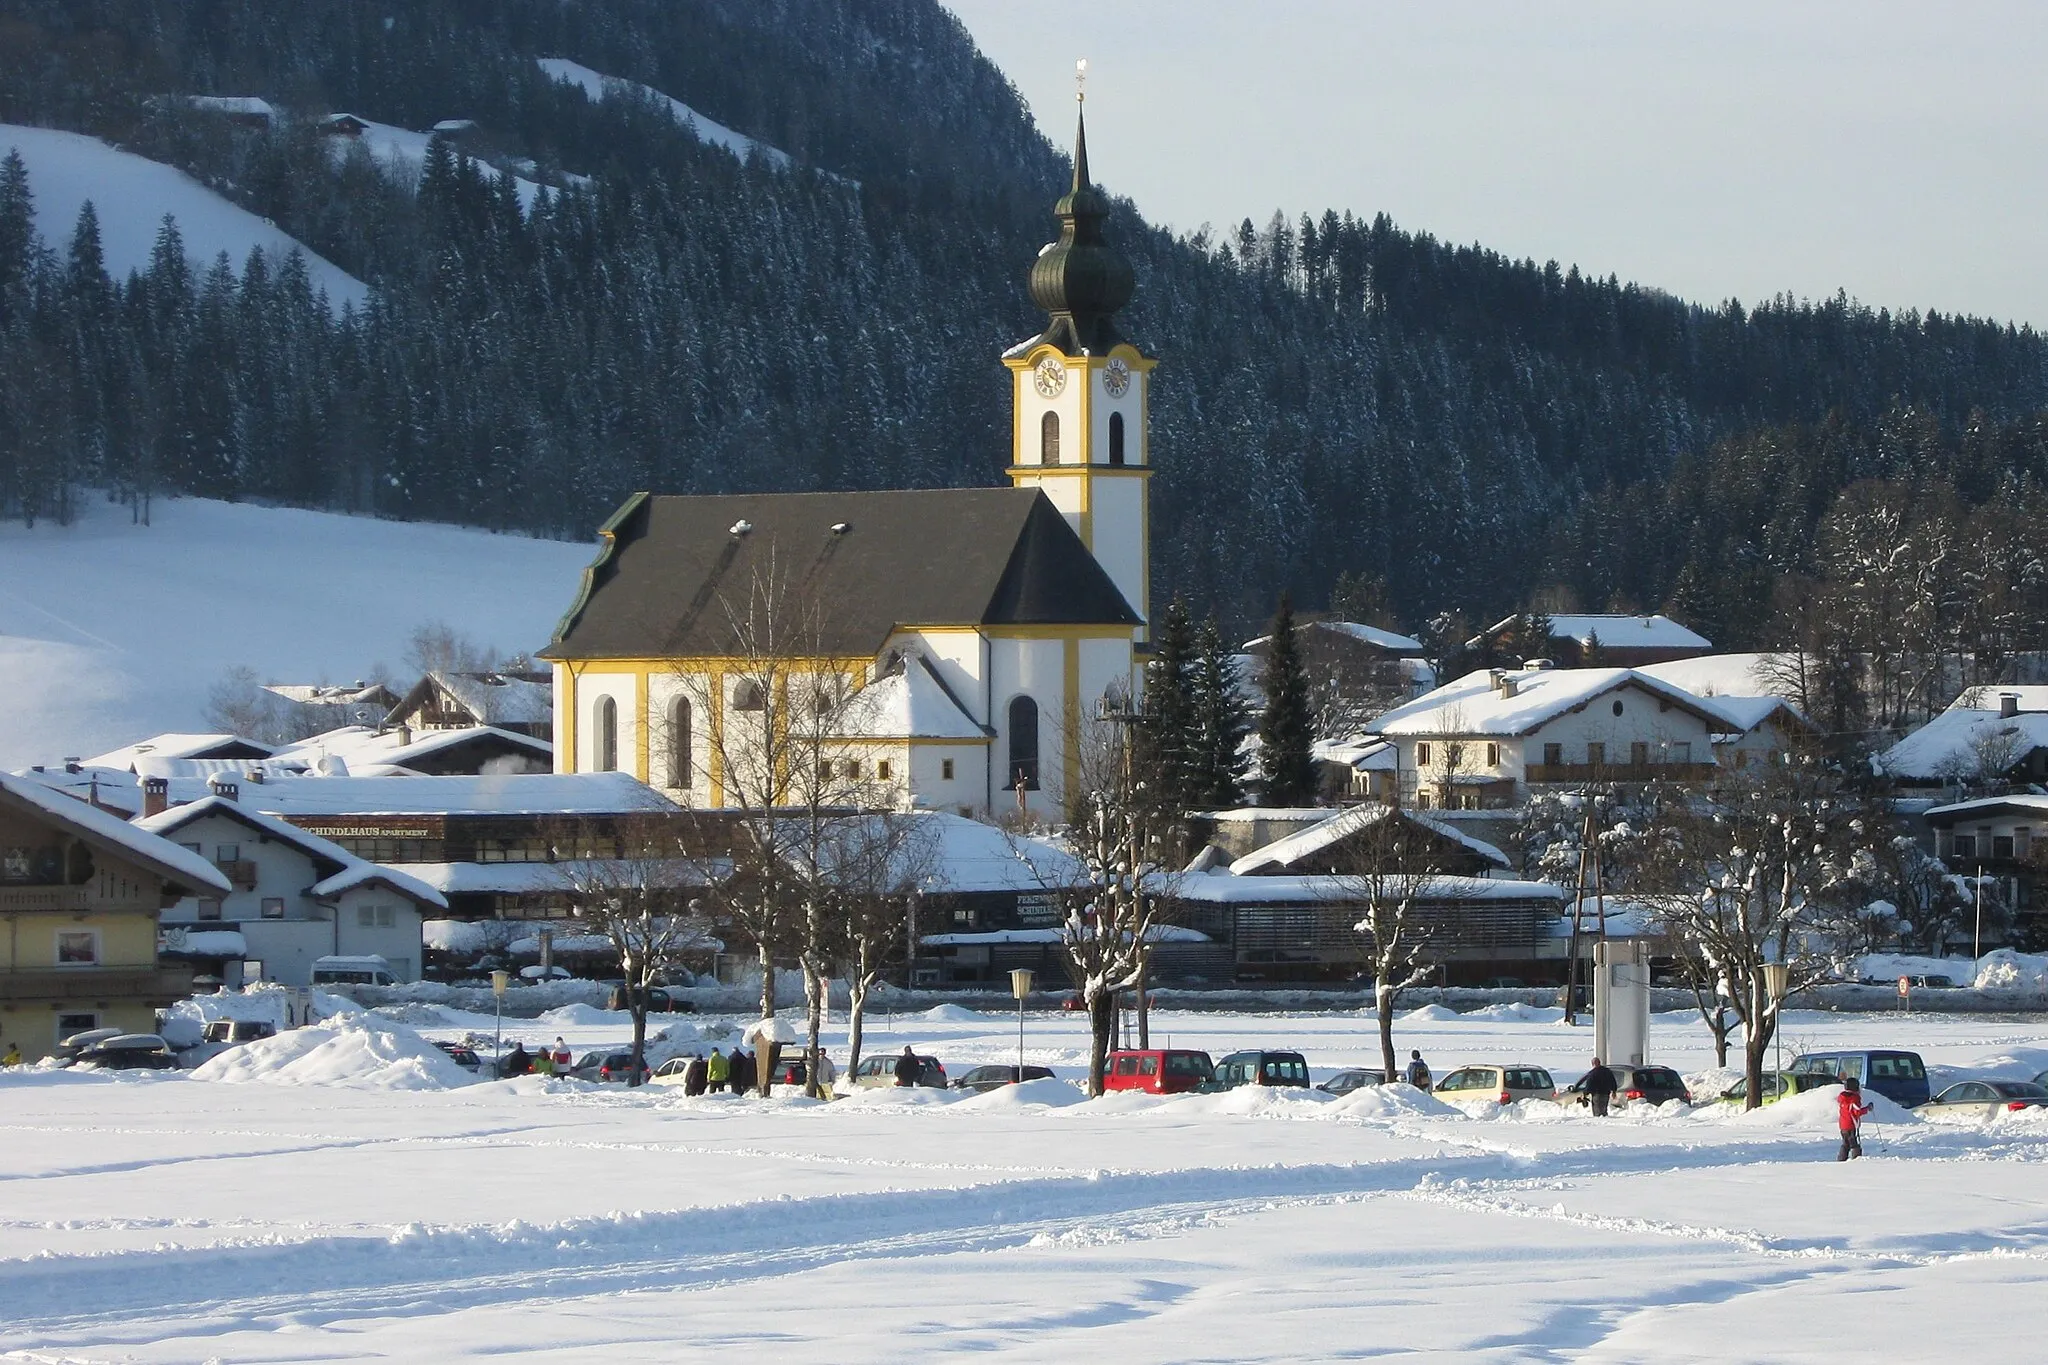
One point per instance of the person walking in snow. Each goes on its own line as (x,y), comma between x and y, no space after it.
(562,1057)
(1850,1108)
(543,1063)
(716,1069)
(516,1062)
(908,1068)
(1418,1070)
(695,1076)
(741,1075)
(1600,1087)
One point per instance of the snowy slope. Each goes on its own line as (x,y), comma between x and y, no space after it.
(110,632)
(132,194)
(596,84)
(402,151)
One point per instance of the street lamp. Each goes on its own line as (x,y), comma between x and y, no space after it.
(1020,986)
(499,981)
(1775,974)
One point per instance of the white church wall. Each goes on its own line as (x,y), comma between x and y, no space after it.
(623,689)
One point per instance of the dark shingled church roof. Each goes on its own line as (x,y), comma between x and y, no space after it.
(674,573)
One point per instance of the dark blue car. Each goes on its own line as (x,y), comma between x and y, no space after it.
(1898,1076)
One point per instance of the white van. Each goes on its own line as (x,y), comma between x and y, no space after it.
(368,970)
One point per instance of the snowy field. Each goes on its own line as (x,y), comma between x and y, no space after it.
(333,1197)
(111,632)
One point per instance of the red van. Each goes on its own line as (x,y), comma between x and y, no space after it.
(1161,1071)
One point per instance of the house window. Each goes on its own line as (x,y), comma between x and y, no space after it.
(2001,846)
(209,909)
(883,770)
(1423,800)
(1682,752)
(376,917)
(82,1022)
(273,907)
(193,848)
(1454,756)
(1049,438)
(228,853)
(1965,845)
(1596,755)
(78,948)
(1422,755)
(748,696)
(607,735)
(1493,755)
(1553,755)
(853,770)
(1116,438)
(1023,768)
(1639,754)
(679,742)
(946,769)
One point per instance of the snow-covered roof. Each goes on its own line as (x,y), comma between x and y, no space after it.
(231,104)
(350,871)
(356,744)
(1988,805)
(1222,888)
(202,943)
(1392,641)
(172,746)
(1959,741)
(95,826)
(912,704)
(1745,714)
(940,853)
(493,698)
(149,765)
(457,794)
(1249,814)
(1158,933)
(1305,843)
(1366,754)
(332,694)
(1714,675)
(1472,705)
(518,879)
(1625,632)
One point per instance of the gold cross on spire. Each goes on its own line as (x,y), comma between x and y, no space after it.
(1081,80)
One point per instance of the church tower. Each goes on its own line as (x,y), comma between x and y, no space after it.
(1081,393)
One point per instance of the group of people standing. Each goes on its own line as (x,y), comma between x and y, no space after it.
(719,1072)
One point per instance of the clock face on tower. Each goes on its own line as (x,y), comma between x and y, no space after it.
(1116,377)
(1050,377)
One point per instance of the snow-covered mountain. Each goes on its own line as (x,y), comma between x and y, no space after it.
(111,631)
(131,195)
(597,85)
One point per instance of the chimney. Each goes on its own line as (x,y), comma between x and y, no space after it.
(404,734)
(156,796)
(1504,684)
(225,787)
(2008,705)
(71,765)
(254,776)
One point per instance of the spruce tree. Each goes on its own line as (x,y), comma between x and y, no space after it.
(1166,741)
(1287,772)
(1216,770)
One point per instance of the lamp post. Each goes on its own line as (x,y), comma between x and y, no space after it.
(499,981)
(1775,974)
(1020,986)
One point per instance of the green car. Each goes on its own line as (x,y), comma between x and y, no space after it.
(1779,1084)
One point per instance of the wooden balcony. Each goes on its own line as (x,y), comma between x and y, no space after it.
(30,900)
(241,875)
(158,984)
(1540,774)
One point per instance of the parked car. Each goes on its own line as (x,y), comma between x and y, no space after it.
(1502,1083)
(1160,1071)
(1357,1078)
(463,1057)
(1987,1099)
(536,973)
(2041,1079)
(129,1052)
(221,1034)
(1778,1085)
(879,1071)
(342,970)
(1260,1068)
(67,1049)
(674,1071)
(1898,1076)
(659,1001)
(1656,1084)
(986,1078)
(606,1068)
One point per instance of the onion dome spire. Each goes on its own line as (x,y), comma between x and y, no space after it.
(1080,280)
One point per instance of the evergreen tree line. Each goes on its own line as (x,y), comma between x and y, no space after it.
(1340,397)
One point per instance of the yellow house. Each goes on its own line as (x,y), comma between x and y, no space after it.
(989,623)
(79,893)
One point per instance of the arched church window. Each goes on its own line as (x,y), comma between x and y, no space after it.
(1116,438)
(679,766)
(748,696)
(1049,438)
(607,719)
(1023,770)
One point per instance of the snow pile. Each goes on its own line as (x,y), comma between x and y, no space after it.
(1816,1111)
(417,1015)
(2003,969)
(357,1052)
(583,1016)
(1886,968)
(1431,1014)
(949,1014)
(1045,1093)
(1258,1101)
(1396,1101)
(185,1021)
(898,1097)
(1533,1014)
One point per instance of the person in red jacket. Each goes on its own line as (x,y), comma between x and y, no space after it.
(1851,1107)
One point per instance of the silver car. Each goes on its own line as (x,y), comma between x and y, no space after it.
(1987,1099)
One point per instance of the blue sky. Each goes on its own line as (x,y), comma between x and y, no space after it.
(1738,149)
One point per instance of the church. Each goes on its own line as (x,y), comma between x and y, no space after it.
(977,630)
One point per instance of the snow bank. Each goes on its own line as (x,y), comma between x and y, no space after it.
(1533,1014)
(1815,1111)
(584,1016)
(1431,1014)
(1396,1101)
(2004,969)
(949,1014)
(357,1051)
(1045,1093)
(899,1097)
(1258,1101)
(417,1015)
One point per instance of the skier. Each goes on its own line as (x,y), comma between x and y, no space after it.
(1600,1087)
(1418,1070)
(1851,1107)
